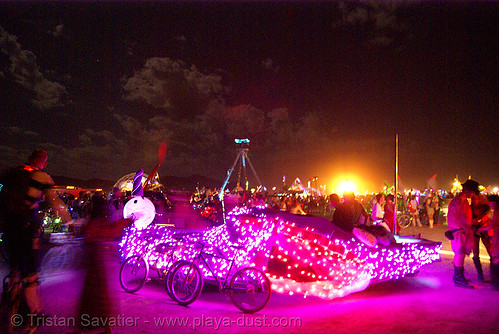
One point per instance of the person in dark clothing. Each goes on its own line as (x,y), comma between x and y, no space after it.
(480,210)
(493,227)
(349,214)
(23,189)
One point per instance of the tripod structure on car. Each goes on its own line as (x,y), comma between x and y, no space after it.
(241,159)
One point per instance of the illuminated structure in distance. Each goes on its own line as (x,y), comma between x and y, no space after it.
(241,159)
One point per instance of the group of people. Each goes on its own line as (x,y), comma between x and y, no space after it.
(350,213)
(473,217)
(350,216)
(383,212)
(431,206)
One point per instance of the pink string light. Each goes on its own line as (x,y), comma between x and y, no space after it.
(297,260)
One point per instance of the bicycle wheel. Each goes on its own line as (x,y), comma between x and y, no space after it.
(169,276)
(250,290)
(404,221)
(186,283)
(133,273)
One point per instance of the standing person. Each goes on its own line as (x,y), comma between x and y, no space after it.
(389,214)
(378,211)
(334,201)
(23,189)
(494,242)
(480,209)
(115,205)
(430,210)
(436,207)
(295,207)
(81,205)
(413,209)
(459,219)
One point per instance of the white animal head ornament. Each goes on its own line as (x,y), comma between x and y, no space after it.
(141,209)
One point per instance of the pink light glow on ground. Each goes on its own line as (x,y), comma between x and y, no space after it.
(427,303)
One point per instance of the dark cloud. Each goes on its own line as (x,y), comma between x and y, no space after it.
(171,84)
(9,155)
(25,71)
(268,64)
(58,30)
(313,98)
(383,25)
(180,38)
(245,121)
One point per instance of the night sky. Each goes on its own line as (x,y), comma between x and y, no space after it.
(320,89)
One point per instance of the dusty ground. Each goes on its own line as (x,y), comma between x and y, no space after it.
(427,303)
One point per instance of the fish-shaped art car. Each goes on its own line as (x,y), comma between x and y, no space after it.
(300,254)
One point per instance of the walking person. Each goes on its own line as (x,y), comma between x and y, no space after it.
(101,255)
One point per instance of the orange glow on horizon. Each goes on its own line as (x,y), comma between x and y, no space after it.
(343,183)
(347,186)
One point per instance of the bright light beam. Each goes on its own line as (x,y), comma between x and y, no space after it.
(347,186)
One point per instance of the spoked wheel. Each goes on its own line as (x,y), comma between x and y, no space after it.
(133,273)
(169,277)
(404,221)
(186,283)
(250,290)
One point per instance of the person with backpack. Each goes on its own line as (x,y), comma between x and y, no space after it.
(23,188)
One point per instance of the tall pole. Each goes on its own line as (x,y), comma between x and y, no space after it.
(396,182)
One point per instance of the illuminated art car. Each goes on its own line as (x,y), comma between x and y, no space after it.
(300,254)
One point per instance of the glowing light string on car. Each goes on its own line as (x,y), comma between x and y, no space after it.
(296,259)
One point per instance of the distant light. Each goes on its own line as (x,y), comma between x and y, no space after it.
(347,186)
(242,141)
(496,189)
(70,187)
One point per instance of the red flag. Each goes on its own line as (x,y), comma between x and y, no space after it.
(161,157)
(432,182)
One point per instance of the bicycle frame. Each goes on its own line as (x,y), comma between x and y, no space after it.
(201,257)
(148,248)
(248,288)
